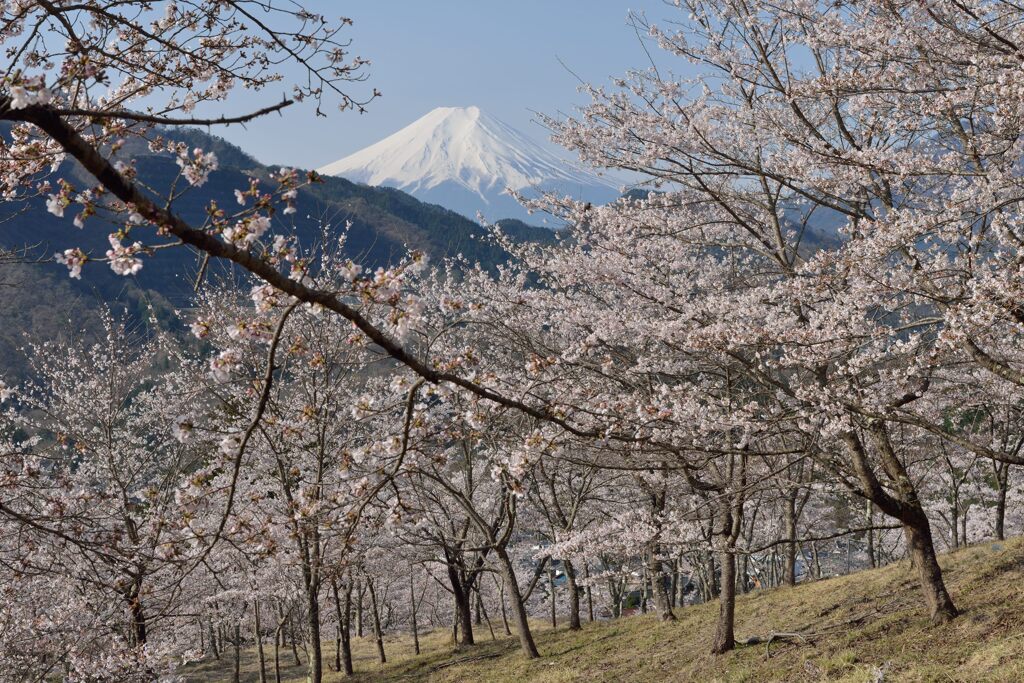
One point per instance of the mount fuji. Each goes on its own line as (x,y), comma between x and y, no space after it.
(465,160)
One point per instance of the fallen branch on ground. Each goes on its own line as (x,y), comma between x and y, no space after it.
(772,637)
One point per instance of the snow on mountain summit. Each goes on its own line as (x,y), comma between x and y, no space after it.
(464,159)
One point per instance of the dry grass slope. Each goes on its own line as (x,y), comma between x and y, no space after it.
(868,626)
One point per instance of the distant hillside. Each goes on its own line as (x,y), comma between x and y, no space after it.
(866,627)
(385,223)
(40,300)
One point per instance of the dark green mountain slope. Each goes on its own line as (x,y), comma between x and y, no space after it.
(41,301)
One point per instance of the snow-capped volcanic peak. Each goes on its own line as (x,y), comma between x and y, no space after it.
(461,150)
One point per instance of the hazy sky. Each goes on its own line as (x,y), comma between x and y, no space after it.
(501,55)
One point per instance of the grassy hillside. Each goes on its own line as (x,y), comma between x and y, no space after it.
(868,626)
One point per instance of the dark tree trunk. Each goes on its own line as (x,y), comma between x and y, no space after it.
(359,610)
(725,638)
(346,634)
(291,640)
(711,589)
(673,584)
(658,590)
(574,596)
(462,591)
(518,609)
(455,623)
(278,641)
(213,642)
(377,634)
(551,587)
(464,611)
(138,617)
(315,656)
(343,643)
(590,592)
(276,656)
(922,550)
(789,513)
(412,603)
(259,641)
(908,510)
(954,527)
(869,517)
(1002,477)
(238,652)
(504,612)
(731,515)
(487,618)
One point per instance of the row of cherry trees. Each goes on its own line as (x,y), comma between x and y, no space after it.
(806,333)
(282,483)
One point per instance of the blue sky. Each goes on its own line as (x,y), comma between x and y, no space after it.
(501,55)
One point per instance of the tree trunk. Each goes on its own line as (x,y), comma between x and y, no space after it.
(291,638)
(138,617)
(412,602)
(590,592)
(376,622)
(213,642)
(732,526)
(315,655)
(259,641)
(963,525)
(346,634)
(712,585)
(954,527)
(725,638)
(673,584)
(342,649)
(658,590)
(574,596)
(551,587)
(922,550)
(278,642)
(789,512)
(463,608)
(869,517)
(1002,477)
(615,596)
(455,623)
(238,652)
(518,609)
(504,612)
(644,592)
(907,508)
(359,610)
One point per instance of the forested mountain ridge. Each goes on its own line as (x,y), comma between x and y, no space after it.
(384,223)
